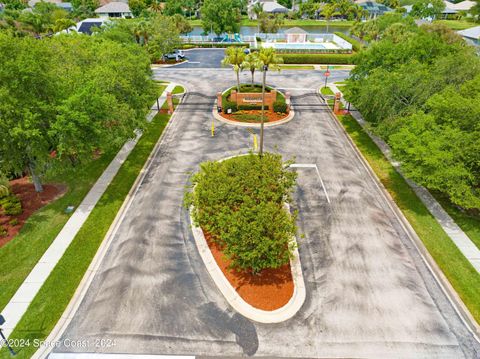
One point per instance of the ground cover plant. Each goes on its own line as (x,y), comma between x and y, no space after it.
(240,203)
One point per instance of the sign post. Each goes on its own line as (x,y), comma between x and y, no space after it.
(326,74)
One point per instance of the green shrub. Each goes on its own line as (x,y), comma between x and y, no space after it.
(341,59)
(12,206)
(3,231)
(280,107)
(250,107)
(4,191)
(356,45)
(230,105)
(13,222)
(240,201)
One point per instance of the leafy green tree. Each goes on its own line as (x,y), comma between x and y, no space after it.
(63,97)
(427,9)
(182,24)
(173,7)
(83,9)
(239,202)
(137,7)
(269,61)
(15,4)
(270,23)
(164,37)
(235,56)
(221,16)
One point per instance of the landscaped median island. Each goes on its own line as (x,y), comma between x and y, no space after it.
(239,207)
(246,105)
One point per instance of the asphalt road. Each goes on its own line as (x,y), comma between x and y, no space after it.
(369,294)
(203,58)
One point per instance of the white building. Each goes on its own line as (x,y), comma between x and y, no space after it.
(471,36)
(114,9)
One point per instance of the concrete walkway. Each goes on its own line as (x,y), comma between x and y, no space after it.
(18,305)
(457,235)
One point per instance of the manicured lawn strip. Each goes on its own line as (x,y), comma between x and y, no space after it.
(457,24)
(297,67)
(461,274)
(165,104)
(19,256)
(55,294)
(178,89)
(326,91)
(469,223)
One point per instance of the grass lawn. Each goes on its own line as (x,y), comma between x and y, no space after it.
(297,67)
(55,294)
(326,91)
(457,24)
(468,222)
(20,255)
(461,274)
(177,90)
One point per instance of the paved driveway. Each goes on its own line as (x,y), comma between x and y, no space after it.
(203,58)
(369,293)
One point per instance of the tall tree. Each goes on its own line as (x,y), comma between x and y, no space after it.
(221,16)
(252,63)
(235,56)
(269,61)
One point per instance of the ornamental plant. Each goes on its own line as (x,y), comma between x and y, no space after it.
(240,202)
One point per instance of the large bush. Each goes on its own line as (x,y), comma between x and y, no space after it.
(240,202)
(317,58)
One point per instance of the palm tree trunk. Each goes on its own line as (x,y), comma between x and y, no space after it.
(238,80)
(253,77)
(263,112)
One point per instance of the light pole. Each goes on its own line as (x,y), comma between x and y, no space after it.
(265,69)
(2,321)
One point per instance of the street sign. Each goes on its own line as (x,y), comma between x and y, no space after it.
(327,73)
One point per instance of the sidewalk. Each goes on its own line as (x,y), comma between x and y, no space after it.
(18,305)
(456,234)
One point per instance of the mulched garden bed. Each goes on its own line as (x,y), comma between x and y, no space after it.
(269,116)
(269,290)
(31,201)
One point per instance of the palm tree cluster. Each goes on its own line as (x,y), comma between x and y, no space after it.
(263,60)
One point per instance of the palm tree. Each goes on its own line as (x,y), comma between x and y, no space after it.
(156,6)
(252,63)
(235,56)
(63,24)
(257,10)
(268,61)
(328,11)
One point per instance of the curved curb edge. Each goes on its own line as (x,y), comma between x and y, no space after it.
(233,298)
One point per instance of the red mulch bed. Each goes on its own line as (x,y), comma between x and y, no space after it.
(31,201)
(269,116)
(269,290)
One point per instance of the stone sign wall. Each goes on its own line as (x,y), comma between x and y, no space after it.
(253,98)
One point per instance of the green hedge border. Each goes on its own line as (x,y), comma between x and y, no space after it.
(336,59)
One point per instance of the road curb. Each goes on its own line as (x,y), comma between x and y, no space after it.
(92,269)
(440,278)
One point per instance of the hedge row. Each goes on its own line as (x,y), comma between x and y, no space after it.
(342,59)
(313,51)
(356,45)
(215,45)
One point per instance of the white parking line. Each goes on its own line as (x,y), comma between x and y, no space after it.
(312,165)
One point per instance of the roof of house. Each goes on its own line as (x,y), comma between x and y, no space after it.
(464,5)
(295,30)
(113,7)
(374,8)
(472,33)
(273,6)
